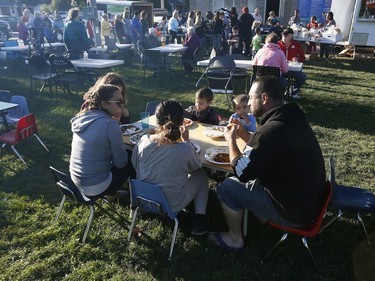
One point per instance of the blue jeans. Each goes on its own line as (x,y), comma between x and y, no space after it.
(252,196)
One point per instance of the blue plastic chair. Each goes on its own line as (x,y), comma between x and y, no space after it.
(16,113)
(349,198)
(69,189)
(149,197)
(151,107)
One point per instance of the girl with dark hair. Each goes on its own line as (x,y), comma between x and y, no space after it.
(99,163)
(169,160)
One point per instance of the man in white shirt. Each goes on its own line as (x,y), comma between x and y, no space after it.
(257,16)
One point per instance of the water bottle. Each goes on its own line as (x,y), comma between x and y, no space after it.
(175,41)
(85,56)
(19,43)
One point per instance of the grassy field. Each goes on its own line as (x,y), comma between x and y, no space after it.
(339,101)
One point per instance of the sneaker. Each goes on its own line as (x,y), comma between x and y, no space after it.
(200,225)
(296,97)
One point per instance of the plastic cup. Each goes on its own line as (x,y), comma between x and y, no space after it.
(144,119)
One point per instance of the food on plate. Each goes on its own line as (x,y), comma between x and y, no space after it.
(136,138)
(214,132)
(221,158)
(129,129)
(188,122)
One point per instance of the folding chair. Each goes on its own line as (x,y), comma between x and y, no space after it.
(5,95)
(25,128)
(309,230)
(41,71)
(149,197)
(219,74)
(154,60)
(349,198)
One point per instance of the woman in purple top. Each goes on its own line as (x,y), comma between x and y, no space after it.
(192,43)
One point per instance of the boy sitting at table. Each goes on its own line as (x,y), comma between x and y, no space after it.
(201,111)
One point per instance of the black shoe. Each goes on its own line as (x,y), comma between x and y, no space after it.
(200,225)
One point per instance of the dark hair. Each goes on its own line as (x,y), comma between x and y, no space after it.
(170,116)
(143,13)
(245,9)
(330,15)
(257,30)
(101,93)
(136,13)
(240,99)
(205,93)
(270,85)
(272,38)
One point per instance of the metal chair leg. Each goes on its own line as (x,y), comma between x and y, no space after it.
(134,214)
(304,241)
(173,238)
(45,147)
(263,260)
(19,155)
(59,210)
(339,214)
(359,217)
(244,223)
(92,211)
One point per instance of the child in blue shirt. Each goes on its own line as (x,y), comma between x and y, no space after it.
(241,107)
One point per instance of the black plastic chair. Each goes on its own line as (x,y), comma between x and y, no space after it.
(219,74)
(69,189)
(154,60)
(349,198)
(5,95)
(41,71)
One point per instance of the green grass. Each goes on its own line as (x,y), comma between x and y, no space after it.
(339,101)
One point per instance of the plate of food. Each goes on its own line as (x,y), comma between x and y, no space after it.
(218,155)
(134,139)
(130,129)
(214,132)
(188,122)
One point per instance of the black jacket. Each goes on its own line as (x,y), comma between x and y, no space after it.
(286,158)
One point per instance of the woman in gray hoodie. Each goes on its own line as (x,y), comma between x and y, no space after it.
(99,162)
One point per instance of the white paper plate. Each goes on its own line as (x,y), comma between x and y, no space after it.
(214,131)
(130,129)
(213,151)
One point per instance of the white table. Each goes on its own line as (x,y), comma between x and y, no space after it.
(170,48)
(16,48)
(248,64)
(96,63)
(3,107)
(118,45)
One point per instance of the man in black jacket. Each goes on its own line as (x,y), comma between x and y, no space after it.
(280,175)
(245,22)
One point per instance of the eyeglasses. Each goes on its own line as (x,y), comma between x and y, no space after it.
(120,103)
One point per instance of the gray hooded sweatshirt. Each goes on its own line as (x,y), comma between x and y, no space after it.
(97,145)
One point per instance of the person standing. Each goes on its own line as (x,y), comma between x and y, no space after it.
(280,175)
(144,23)
(217,28)
(173,27)
(257,16)
(245,22)
(105,28)
(324,48)
(23,33)
(119,27)
(136,28)
(293,52)
(295,19)
(75,35)
(127,27)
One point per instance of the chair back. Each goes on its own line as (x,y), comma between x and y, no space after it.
(151,107)
(222,63)
(261,70)
(153,58)
(111,45)
(21,110)
(39,65)
(68,188)
(150,197)
(61,64)
(26,127)
(5,95)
